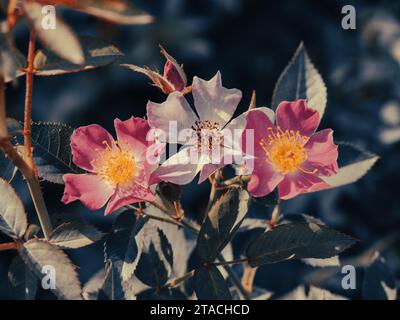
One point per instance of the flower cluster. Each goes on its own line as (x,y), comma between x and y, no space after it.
(286,152)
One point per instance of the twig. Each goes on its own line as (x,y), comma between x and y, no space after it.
(175,282)
(9,246)
(155,217)
(214,184)
(224,263)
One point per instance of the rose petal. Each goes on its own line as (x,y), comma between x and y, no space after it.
(123,197)
(258,124)
(209,169)
(300,182)
(90,189)
(213,102)
(134,133)
(174,111)
(179,169)
(322,153)
(264,179)
(297,116)
(86,142)
(234,129)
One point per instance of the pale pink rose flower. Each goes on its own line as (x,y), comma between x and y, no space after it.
(210,130)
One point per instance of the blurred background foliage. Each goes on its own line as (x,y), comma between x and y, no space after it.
(250,42)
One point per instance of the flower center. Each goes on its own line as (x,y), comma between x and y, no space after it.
(285,150)
(208,135)
(116,165)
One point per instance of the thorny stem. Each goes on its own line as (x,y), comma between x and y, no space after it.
(32,180)
(28,101)
(9,246)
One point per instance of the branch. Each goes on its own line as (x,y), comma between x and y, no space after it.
(224,263)
(175,282)
(27,171)
(9,246)
(28,101)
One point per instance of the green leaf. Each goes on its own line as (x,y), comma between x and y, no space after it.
(296,241)
(75,235)
(301,80)
(97,53)
(39,253)
(61,40)
(112,287)
(117,11)
(13,221)
(209,284)
(52,151)
(122,247)
(221,223)
(379,282)
(354,163)
(22,281)
(156,260)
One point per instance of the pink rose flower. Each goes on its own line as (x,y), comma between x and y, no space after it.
(210,143)
(118,171)
(290,155)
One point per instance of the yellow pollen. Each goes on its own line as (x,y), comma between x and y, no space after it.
(285,150)
(116,165)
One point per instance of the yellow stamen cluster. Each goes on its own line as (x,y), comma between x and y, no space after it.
(285,150)
(115,164)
